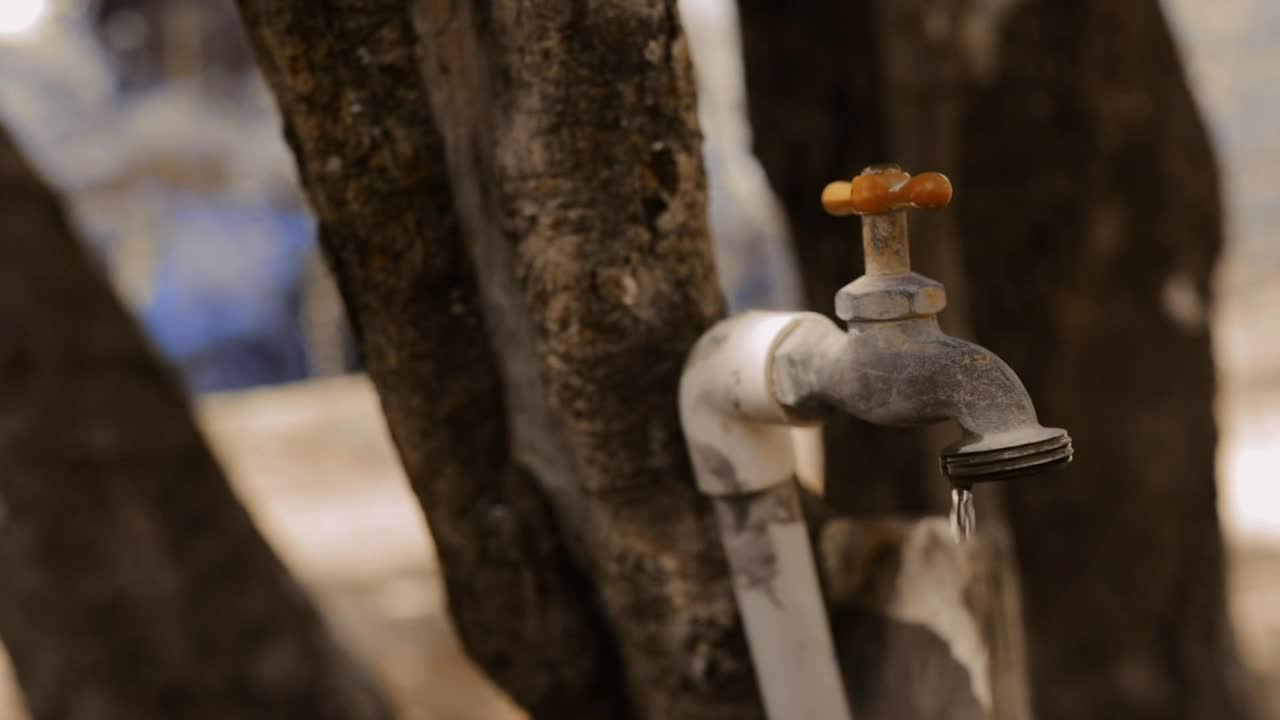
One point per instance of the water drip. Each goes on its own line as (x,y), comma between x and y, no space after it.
(963,517)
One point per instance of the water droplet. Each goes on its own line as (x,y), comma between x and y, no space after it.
(963,519)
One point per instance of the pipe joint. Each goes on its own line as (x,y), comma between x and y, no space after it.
(734,425)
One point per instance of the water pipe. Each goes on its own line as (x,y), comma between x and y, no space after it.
(744,459)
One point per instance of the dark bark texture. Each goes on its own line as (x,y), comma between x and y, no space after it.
(133,586)
(567,156)
(574,156)
(372,161)
(1086,198)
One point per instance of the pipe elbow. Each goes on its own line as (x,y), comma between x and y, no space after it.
(736,430)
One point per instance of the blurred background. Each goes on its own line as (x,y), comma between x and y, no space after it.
(150,118)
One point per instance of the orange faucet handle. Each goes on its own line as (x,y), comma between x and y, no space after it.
(885,188)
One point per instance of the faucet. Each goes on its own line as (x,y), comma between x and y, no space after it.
(894,365)
(754,375)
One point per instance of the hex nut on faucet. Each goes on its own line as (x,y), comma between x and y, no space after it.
(890,297)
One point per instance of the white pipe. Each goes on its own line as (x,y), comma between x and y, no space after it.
(743,455)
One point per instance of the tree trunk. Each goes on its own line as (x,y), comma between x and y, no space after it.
(133,586)
(1092,221)
(1086,224)
(580,192)
(356,114)
(573,150)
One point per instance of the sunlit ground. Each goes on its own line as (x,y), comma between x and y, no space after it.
(20,17)
(1249,417)
(315,465)
(1250,467)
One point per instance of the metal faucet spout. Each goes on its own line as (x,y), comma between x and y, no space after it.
(907,373)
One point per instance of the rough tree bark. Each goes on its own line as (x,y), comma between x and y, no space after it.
(347,79)
(570,141)
(133,586)
(1087,216)
(573,151)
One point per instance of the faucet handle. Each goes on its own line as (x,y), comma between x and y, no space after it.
(886,188)
(888,290)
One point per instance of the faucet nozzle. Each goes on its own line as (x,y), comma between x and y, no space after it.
(1018,453)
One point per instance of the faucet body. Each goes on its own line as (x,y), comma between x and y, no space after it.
(754,374)
(906,373)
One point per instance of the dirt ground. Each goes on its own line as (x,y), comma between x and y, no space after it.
(314,464)
(1249,504)
(315,467)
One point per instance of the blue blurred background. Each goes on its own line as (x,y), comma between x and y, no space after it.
(152,120)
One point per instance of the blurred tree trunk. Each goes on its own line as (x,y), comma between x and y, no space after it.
(1086,224)
(133,586)
(1092,224)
